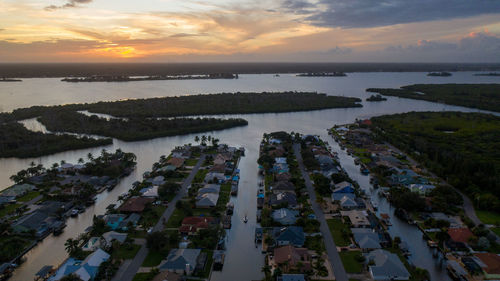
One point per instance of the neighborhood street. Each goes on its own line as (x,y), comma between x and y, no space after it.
(128,269)
(331,248)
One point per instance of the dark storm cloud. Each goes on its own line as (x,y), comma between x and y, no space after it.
(69,4)
(369,13)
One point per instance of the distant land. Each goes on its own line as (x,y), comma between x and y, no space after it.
(31,70)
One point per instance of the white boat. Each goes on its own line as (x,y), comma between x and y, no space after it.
(245,220)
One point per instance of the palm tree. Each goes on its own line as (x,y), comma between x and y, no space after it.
(203,140)
(32,164)
(63,162)
(209,138)
(71,245)
(80,160)
(266,269)
(90,156)
(197,139)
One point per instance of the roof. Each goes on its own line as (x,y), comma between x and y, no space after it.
(491,262)
(284,186)
(180,259)
(177,162)
(193,224)
(113,235)
(283,197)
(386,265)
(17,190)
(343,187)
(292,234)
(167,276)
(291,255)
(285,216)
(209,188)
(347,202)
(366,238)
(460,234)
(218,168)
(207,200)
(135,204)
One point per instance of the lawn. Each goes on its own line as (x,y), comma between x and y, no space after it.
(224,195)
(126,252)
(153,258)
(350,262)
(176,219)
(488,217)
(496,230)
(10,208)
(191,162)
(151,216)
(143,276)
(29,196)
(200,176)
(336,227)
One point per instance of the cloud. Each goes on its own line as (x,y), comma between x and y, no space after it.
(69,4)
(369,13)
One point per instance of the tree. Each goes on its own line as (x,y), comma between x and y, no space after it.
(80,160)
(215,142)
(156,240)
(197,139)
(90,156)
(71,246)
(483,243)
(71,277)
(203,140)
(266,269)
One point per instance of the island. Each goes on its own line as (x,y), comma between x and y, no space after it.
(439,74)
(124,78)
(322,74)
(43,198)
(481,96)
(376,98)
(488,74)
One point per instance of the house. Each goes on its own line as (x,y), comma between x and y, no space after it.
(86,269)
(111,236)
(219,168)
(339,196)
(292,235)
(4,200)
(181,261)
(209,188)
(285,216)
(460,234)
(280,160)
(92,245)
(176,162)
(291,258)
(159,180)
(18,190)
(291,277)
(37,221)
(366,238)
(386,266)
(281,168)
(343,187)
(217,177)
(490,264)
(191,225)
(221,158)
(286,198)
(114,221)
(135,205)
(422,189)
(358,218)
(283,186)
(283,177)
(347,203)
(207,200)
(132,219)
(167,276)
(151,192)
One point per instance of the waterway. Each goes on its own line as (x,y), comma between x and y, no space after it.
(243,260)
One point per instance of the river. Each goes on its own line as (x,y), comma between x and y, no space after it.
(243,260)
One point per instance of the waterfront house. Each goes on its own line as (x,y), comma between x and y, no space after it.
(215,177)
(285,216)
(358,218)
(490,264)
(86,270)
(37,221)
(289,258)
(280,168)
(18,190)
(92,245)
(135,205)
(150,192)
(292,235)
(386,266)
(132,219)
(422,189)
(181,261)
(113,221)
(207,200)
(340,196)
(280,160)
(191,225)
(347,203)
(462,234)
(219,168)
(283,177)
(343,187)
(4,200)
(209,188)
(366,238)
(283,186)
(111,236)
(284,198)
(176,162)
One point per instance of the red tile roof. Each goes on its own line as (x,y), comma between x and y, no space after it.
(291,256)
(492,262)
(460,234)
(135,204)
(193,224)
(177,162)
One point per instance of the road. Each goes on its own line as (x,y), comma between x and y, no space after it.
(331,248)
(128,269)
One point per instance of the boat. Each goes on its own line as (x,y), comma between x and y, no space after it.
(245,220)
(218,260)
(230,208)
(374,205)
(259,215)
(58,227)
(74,213)
(258,235)
(226,222)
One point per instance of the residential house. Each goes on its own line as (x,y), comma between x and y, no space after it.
(111,236)
(176,162)
(132,219)
(283,177)
(191,225)
(386,266)
(150,192)
(219,168)
(18,190)
(280,160)
(462,234)
(86,270)
(93,244)
(135,205)
(366,238)
(339,196)
(168,276)
(217,177)
(221,158)
(422,189)
(284,198)
(209,188)
(114,221)
(181,261)
(343,187)
(283,186)
(347,203)
(285,216)
(358,218)
(207,200)
(290,258)
(490,264)
(292,235)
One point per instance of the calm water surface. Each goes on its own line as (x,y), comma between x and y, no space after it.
(243,260)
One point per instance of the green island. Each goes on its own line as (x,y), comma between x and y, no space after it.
(133,129)
(481,96)
(460,147)
(376,98)
(17,141)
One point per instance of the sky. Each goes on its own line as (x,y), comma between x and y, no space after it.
(250,31)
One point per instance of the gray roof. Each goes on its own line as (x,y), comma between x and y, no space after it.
(285,216)
(366,238)
(387,266)
(207,200)
(179,259)
(292,234)
(339,196)
(283,197)
(346,202)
